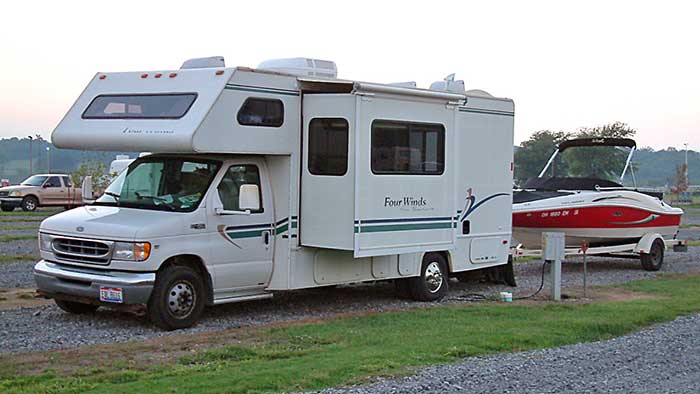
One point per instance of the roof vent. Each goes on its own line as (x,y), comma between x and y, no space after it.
(448,85)
(204,62)
(302,66)
(479,93)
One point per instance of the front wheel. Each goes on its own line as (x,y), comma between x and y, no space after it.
(431,284)
(653,260)
(7,208)
(30,203)
(177,300)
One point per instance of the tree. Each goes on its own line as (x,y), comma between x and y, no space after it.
(97,170)
(532,154)
(681,179)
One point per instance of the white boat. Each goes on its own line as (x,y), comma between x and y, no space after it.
(590,210)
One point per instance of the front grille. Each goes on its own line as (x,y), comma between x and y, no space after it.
(81,250)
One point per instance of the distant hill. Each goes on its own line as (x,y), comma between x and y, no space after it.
(14,158)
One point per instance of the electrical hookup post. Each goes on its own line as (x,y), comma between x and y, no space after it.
(553,253)
(584,249)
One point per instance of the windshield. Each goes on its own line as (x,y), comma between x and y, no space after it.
(600,162)
(35,180)
(161,183)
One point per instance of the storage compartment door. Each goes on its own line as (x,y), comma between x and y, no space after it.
(327,173)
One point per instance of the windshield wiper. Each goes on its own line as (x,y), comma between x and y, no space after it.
(115,195)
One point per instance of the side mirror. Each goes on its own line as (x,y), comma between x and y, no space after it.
(87,188)
(249,198)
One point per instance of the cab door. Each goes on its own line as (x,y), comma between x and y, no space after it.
(242,244)
(52,192)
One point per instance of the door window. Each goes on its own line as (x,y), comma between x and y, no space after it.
(67,182)
(230,186)
(53,182)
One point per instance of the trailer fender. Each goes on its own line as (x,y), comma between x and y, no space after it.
(644,244)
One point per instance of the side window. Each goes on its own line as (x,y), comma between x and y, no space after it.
(328,146)
(408,148)
(53,182)
(67,182)
(236,176)
(264,112)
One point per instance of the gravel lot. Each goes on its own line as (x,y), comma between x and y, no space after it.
(25,246)
(661,359)
(20,333)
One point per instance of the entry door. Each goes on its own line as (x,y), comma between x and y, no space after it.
(241,245)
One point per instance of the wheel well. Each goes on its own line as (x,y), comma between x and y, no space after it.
(32,195)
(445,254)
(196,263)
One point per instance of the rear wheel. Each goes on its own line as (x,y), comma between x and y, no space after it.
(178,298)
(431,284)
(29,203)
(7,208)
(653,260)
(77,308)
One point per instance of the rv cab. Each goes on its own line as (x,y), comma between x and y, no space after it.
(274,179)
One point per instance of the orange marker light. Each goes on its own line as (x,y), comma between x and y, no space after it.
(158,75)
(103,76)
(172,75)
(144,75)
(219,72)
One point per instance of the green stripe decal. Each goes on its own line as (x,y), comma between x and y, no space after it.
(245,234)
(404,227)
(261,90)
(282,229)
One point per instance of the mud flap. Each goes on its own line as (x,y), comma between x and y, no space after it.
(502,274)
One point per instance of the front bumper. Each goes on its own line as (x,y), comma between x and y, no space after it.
(68,282)
(11,201)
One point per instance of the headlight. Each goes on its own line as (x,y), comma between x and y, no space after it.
(45,242)
(14,193)
(131,251)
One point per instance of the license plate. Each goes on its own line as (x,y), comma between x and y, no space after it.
(111,294)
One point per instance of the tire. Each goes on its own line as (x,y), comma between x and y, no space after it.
(431,284)
(29,204)
(178,298)
(7,208)
(77,308)
(653,260)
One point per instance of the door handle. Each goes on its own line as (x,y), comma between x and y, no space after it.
(266,237)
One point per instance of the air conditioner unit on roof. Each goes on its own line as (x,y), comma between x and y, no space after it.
(302,66)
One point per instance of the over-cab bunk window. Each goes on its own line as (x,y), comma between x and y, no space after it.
(140,106)
(264,112)
(328,146)
(407,148)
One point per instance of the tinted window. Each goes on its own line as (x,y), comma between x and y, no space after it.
(328,146)
(407,148)
(230,186)
(140,106)
(261,112)
(53,182)
(67,182)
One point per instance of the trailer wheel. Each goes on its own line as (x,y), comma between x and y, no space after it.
(178,298)
(431,284)
(653,260)
(77,308)
(29,203)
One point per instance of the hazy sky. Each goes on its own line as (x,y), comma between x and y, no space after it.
(565,64)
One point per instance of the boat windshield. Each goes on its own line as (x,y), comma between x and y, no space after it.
(598,162)
(161,183)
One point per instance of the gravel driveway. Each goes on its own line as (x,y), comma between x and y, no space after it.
(20,333)
(661,359)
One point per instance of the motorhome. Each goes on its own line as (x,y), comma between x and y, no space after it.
(277,178)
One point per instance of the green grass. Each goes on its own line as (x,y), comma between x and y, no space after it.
(17,257)
(10,238)
(8,228)
(36,213)
(693,242)
(352,349)
(21,219)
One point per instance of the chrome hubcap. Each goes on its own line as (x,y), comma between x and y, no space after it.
(29,204)
(181,299)
(433,277)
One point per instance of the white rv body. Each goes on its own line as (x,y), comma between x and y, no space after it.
(363,224)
